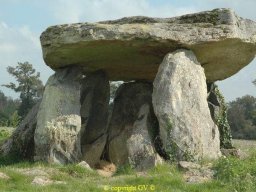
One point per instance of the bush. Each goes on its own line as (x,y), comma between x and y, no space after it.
(4,134)
(237,174)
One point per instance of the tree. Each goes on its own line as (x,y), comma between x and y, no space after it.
(28,85)
(242,117)
(8,111)
(14,119)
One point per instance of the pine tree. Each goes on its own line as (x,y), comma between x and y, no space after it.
(28,85)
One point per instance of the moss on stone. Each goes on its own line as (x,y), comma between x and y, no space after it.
(169,125)
(204,17)
(172,150)
(175,153)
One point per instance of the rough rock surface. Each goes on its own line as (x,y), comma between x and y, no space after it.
(4,176)
(93,152)
(142,154)
(95,93)
(132,48)
(57,135)
(133,127)
(195,173)
(84,165)
(180,104)
(43,181)
(218,109)
(21,143)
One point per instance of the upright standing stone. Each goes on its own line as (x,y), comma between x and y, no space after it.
(95,95)
(57,135)
(140,145)
(133,127)
(180,104)
(21,143)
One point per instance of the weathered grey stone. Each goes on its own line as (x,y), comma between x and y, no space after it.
(132,48)
(92,152)
(95,93)
(133,127)
(85,165)
(195,173)
(21,143)
(142,154)
(44,181)
(199,176)
(64,139)
(41,180)
(57,135)
(180,104)
(186,165)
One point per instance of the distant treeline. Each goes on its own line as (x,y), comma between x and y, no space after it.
(9,111)
(242,117)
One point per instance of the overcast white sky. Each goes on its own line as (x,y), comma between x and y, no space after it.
(22,22)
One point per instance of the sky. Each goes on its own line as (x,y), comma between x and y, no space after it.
(22,22)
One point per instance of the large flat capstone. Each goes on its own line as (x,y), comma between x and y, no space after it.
(132,48)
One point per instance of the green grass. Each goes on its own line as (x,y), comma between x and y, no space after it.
(232,175)
(125,170)
(165,177)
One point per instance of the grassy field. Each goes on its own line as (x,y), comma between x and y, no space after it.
(231,175)
(245,145)
(74,178)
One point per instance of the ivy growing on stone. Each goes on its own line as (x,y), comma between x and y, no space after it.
(220,116)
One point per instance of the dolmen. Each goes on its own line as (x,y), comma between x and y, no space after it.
(168,107)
